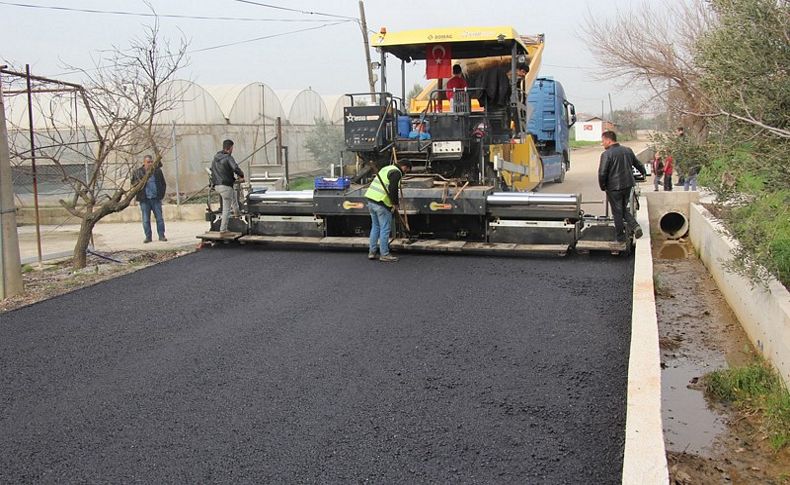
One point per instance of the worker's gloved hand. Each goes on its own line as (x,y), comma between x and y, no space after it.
(395,208)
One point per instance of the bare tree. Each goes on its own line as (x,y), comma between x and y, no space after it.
(627,120)
(122,97)
(654,46)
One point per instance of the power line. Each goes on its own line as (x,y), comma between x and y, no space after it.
(306,12)
(330,24)
(570,67)
(267,37)
(155,15)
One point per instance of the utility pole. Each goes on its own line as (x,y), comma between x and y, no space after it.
(363,25)
(10,265)
(611,110)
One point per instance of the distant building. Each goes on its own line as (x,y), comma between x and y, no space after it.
(590,128)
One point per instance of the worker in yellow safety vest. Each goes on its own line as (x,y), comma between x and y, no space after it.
(383,200)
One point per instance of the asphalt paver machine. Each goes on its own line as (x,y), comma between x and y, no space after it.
(476,164)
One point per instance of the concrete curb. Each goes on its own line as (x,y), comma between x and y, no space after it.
(644,460)
(764,312)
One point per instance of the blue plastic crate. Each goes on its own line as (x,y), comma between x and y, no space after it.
(327,183)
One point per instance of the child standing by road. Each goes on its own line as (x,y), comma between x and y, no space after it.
(658,170)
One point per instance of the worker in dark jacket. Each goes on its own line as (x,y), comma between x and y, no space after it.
(383,200)
(150,197)
(616,178)
(223,175)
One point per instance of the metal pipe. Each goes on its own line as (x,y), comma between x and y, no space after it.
(175,156)
(33,163)
(383,74)
(531,199)
(482,177)
(284,196)
(533,195)
(39,78)
(404,108)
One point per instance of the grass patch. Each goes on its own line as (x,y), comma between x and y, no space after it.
(302,183)
(582,143)
(756,389)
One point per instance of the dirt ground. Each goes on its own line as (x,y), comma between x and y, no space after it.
(707,442)
(58,278)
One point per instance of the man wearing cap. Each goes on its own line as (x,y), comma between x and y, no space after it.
(383,200)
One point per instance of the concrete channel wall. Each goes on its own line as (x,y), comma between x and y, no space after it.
(764,311)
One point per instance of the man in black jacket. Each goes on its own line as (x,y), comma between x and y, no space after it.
(223,175)
(616,178)
(150,197)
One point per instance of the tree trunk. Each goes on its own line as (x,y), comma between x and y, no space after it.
(83,239)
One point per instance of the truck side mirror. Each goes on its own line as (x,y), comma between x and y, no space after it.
(573,114)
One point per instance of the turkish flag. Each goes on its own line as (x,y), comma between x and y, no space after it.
(439,58)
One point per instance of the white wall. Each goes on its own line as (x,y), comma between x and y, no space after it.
(589,130)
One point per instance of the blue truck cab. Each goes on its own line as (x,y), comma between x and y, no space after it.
(552,116)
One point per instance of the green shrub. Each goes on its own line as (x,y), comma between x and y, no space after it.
(755,388)
(762,227)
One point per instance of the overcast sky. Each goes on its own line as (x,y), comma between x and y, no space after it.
(329,58)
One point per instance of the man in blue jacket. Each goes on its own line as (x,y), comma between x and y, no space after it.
(616,178)
(150,197)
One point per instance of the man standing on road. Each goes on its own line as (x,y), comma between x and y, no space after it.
(616,178)
(223,175)
(383,200)
(150,197)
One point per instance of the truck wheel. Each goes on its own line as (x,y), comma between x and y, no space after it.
(561,178)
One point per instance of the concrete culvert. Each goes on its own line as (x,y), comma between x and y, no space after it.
(674,225)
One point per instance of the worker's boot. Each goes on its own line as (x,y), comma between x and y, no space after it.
(372,255)
(388,258)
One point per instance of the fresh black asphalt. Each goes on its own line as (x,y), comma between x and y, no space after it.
(248,365)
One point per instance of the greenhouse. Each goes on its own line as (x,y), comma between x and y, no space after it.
(202,116)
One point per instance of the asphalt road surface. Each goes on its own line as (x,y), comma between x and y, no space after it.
(242,365)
